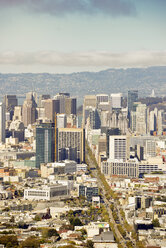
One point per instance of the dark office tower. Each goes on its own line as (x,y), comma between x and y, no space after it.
(70,106)
(64,94)
(10,102)
(132,97)
(45,143)
(51,107)
(29,109)
(95,122)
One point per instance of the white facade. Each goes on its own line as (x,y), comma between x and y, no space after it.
(116,100)
(120,168)
(118,147)
(141,119)
(61,120)
(150,148)
(46,193)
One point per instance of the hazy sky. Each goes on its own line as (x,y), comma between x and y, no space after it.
(75,35)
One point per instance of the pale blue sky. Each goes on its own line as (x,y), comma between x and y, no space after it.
(66,36)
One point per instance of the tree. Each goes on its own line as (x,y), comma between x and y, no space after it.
(75,222)
(89,244)
(9,240)
(30,242)
(37,217)
(156,223)
(52,232)
(23,225)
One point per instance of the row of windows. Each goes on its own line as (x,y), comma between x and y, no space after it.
(36,193)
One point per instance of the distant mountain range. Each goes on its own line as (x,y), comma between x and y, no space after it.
(85,83)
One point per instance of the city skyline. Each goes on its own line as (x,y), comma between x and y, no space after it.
(58,37)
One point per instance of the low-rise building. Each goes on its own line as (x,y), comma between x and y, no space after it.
(46,193)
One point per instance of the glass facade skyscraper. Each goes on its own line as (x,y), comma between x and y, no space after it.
(132,97)
(45,143)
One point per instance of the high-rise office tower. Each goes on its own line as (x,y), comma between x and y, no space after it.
(141,119)
(150,148)
(160,122)
(133,116)
(70,106)
(152,121)
(45,143)
(67,104)
(131,98)
(29,109)
(119,147)
(111,132)
(94,115)
(116,101)
(51,107)
(61,120)
(43,97)
(89,102)
(10,102)
(17,113)
(61,97)
(2,122)
(70,144)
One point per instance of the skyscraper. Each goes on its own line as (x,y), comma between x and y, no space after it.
(61,120)
(95,122)
(10,102)
(141,119)
(116,101)
(51,107)
(89,102)
(70,105)
(131,98)
(45,143)
(2,122)
(29,109)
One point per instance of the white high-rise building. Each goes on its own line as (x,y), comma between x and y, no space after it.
(141,119)
(116,100)
(150,148)
(61,120)
(2,122)
(118,147)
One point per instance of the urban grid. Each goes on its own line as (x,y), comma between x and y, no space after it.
(96,183)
